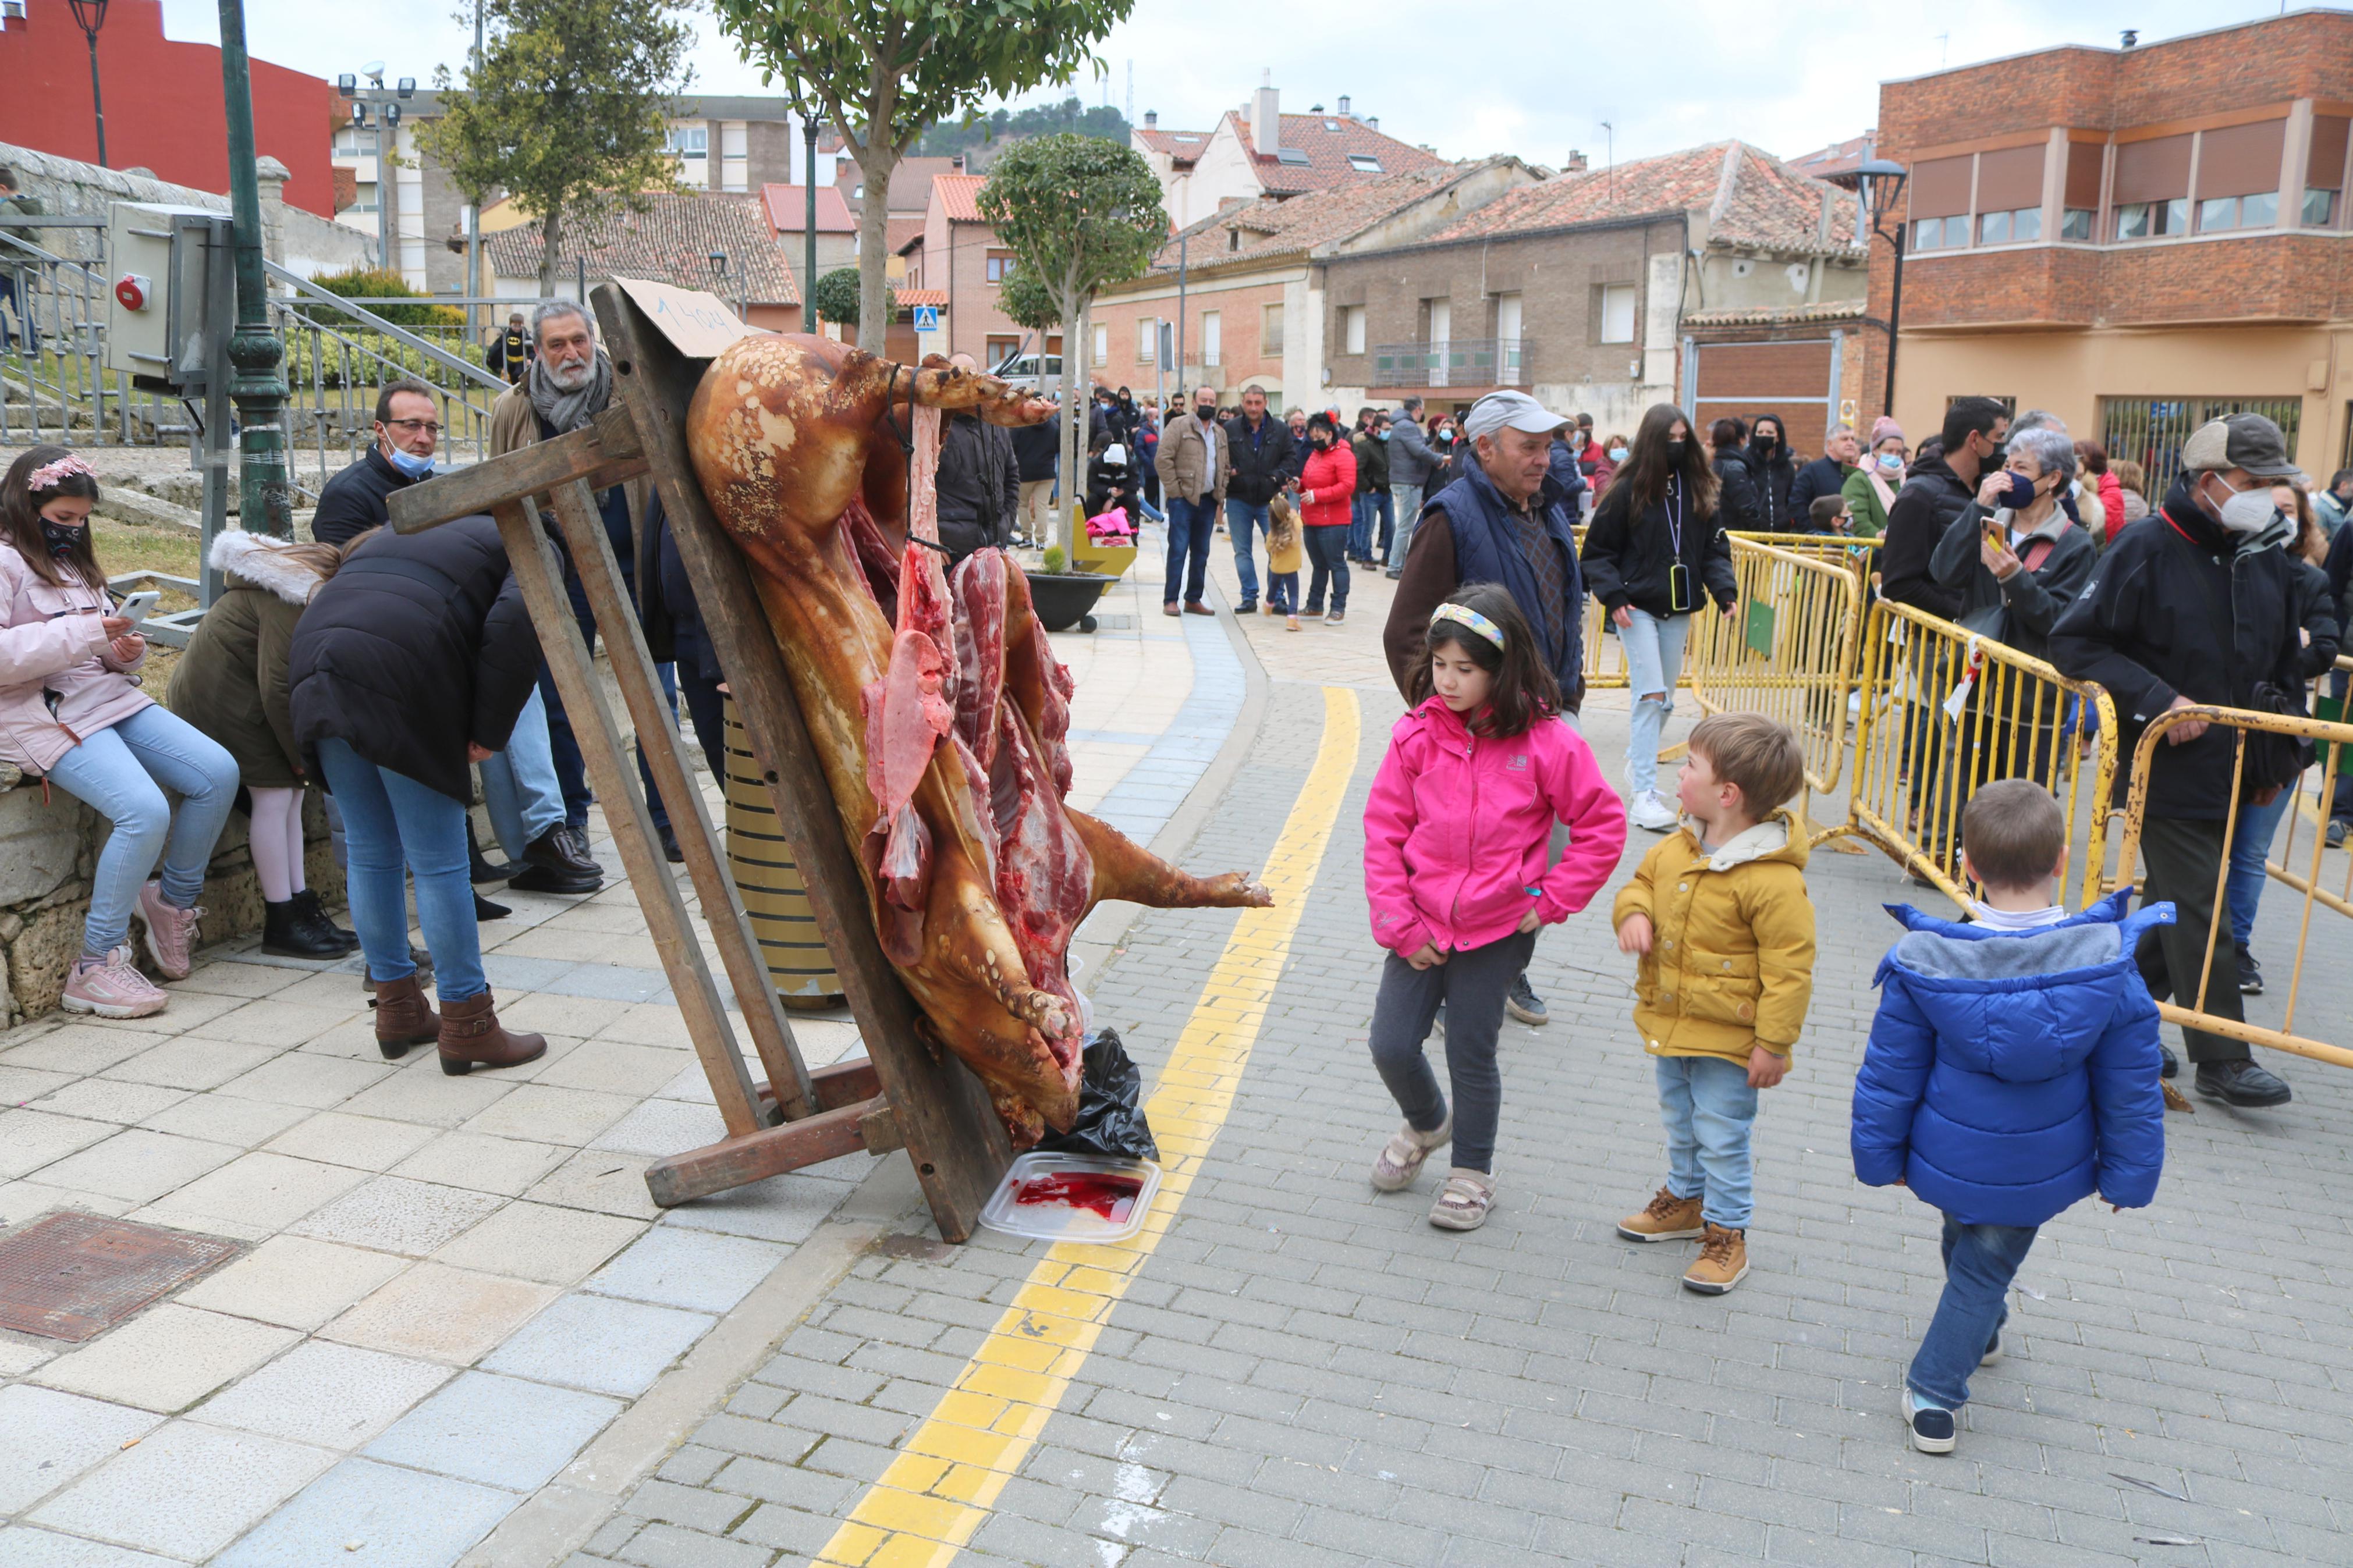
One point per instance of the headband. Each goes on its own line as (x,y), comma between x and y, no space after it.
(1468,617)
(49,475)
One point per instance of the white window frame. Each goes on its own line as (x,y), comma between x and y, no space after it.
(1352,328)
(1619,300)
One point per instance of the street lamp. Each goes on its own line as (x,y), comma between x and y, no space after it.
(1879,185)
(387,120)
(90,14)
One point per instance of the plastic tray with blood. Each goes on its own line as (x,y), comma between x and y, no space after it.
(1073,1197)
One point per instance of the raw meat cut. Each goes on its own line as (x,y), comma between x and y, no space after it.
(977,869)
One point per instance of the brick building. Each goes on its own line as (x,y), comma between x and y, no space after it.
(1712,276)
(673,241)
(1257,151)
(1254,279)
(2135,238)
(955,266)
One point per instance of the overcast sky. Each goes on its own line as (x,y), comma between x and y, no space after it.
(1787,77)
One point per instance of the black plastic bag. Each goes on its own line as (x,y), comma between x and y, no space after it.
(1111,1106)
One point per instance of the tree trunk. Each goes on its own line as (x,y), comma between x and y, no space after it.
(551,231)
(875,162)
(1077,397)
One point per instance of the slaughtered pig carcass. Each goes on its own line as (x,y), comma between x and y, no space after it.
(939,712)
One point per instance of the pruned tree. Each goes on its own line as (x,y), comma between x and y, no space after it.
(885,71)
(1078,213)
(565,109)
(836,298)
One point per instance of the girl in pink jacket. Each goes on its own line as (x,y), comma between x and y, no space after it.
(1460,874)
(71,711)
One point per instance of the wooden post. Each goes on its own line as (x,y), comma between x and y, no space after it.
(943,1114)
(531,557)
(657,737)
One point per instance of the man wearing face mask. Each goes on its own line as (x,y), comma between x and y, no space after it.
(1193,464)
(2193,605)
(408,429)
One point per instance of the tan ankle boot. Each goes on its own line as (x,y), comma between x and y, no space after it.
(471,1037)
(403,1017)
(1723,1262)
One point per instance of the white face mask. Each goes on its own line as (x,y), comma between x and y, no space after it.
(2247,511)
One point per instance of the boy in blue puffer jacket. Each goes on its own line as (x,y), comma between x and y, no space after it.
(2013,1070)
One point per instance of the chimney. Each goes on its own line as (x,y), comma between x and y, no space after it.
(1266,120)
(1372,123)
(1151,118)
(1575,164)
(1344,105)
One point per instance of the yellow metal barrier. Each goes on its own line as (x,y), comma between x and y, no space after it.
(1786,650)
(2332,737)
(1943,711)
(1605,655)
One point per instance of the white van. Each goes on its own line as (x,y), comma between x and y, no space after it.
(1029,372)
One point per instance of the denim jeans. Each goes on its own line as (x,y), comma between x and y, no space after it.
(1980,1260)
(1408,502)
(1283,592)
(1192,524)
(1654,658)
(519,787)
(391,821)
(121,772)
(2251,845)
(1472,984)
(1327,553)
(1379,510)
(1246,522)
(1709,1110)
(1360,526)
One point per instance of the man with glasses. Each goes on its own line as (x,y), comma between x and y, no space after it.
(408,429)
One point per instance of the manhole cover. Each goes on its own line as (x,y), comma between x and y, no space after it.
(72,1276)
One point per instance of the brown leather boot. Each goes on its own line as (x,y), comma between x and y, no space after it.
(471,1037)
(403,1017)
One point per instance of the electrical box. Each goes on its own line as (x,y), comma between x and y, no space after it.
(165,264)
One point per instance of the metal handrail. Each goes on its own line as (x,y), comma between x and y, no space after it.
(375,323)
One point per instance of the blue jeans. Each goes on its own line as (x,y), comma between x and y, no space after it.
(1709,1110)
(2250,846)
(121,772)
(1980,1260)
(392,821)
(519,787)
(1408,502)
(1328,552)
(1360,526)
(1192,524)
(1283,592)
(1245,521)
(1654,658)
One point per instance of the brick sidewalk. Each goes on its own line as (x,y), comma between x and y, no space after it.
(1305,1374)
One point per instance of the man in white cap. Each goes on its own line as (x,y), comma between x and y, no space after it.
(1503,520)
(2196,605)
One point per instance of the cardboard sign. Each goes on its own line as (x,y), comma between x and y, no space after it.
(697,324)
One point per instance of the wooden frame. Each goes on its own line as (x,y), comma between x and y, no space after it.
(907,1094)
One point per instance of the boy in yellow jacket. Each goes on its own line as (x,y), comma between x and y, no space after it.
(1720,918)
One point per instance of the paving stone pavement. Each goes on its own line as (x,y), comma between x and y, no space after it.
(1305,1374)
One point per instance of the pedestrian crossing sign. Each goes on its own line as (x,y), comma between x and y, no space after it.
(927,317)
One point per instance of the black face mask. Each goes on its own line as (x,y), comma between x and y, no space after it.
(1675,451)
(2000,456)
(1207,412)
(1765,443)
(63,537)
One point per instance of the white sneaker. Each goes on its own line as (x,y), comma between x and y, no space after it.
(1650,812)
(112,988)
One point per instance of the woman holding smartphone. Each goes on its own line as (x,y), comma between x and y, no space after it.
(1655,553)
(72,712)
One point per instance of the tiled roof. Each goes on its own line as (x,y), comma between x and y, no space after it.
(1268,227)
(1179,146)
(1826,310)
(909,298)
(669,242)
(787,206)
(1837,159)
(1750,198)
(959,194)
(898,233)
(1329,142)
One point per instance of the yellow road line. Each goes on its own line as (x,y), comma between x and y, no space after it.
(940,1488)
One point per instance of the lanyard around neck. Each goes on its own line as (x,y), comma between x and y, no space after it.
(1673,502)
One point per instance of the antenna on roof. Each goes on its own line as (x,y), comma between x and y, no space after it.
(1128,113)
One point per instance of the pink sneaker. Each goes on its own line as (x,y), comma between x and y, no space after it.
(112,987)
(170,933)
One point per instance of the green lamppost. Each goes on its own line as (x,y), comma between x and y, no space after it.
(256,379)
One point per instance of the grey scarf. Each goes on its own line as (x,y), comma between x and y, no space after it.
(568,411)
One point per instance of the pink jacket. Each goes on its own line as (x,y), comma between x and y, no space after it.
(51,642)
(1458,831)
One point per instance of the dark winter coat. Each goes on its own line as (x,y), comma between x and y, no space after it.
(1036,449)
(1484,545)
(1567,473)
(979,486)
(1626,558)
(1774,477)
(1372,463)
(1412,459)
(418,646)
(231,683)
(1931,498)
(1825,476)
(1736,501)
(2177,606)
(2012,1074)
(357,500)
(2035,595)
(1261,462)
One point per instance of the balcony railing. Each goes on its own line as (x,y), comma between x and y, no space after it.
(1460,362)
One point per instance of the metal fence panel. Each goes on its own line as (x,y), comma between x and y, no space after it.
(2150,430)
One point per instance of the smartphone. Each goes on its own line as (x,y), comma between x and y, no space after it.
(1679,594)
(136,608)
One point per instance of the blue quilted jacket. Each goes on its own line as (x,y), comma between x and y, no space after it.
(2012,1073)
